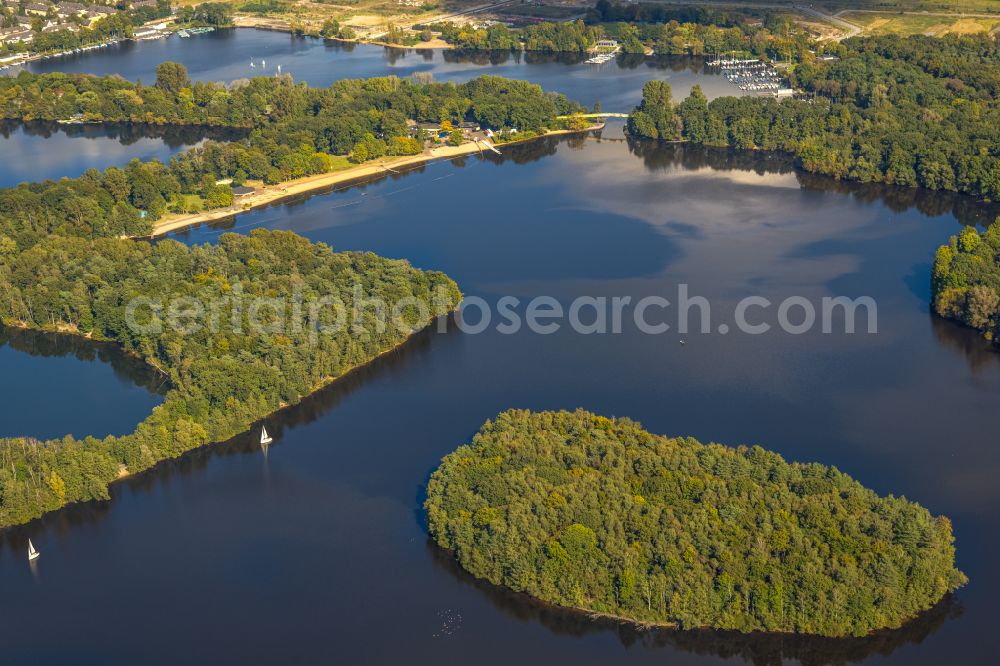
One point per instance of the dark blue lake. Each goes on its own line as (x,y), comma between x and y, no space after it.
(57,384)
(317,553)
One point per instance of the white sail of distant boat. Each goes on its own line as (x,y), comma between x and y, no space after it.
(263,63)
(32,553)
(252,66)
(264,437)
(279,69)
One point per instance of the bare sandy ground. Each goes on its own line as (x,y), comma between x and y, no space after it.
(273,193)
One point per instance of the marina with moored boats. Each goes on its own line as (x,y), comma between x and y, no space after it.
(750,74)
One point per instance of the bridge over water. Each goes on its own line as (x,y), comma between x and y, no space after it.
(593,115)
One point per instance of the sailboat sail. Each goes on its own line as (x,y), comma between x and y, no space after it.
(32,553)
(264,437)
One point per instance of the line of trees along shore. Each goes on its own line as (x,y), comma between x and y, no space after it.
(917,111)
(597,514)
(640,28)
(965,282)
(293,131)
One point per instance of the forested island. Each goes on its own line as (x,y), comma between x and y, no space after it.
(918,111)
(966,280)
(293,131)
(597,514)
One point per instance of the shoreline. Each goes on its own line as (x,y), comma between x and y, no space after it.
(275,193)
(652,626)
(124,473)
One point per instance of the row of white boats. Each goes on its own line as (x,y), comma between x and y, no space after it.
(188,32)
(265,439)
(750,75)
(82,49)
(600,59)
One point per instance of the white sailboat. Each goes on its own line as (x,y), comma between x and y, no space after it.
(263,63)
(265,439)
(32,553)
(252,66)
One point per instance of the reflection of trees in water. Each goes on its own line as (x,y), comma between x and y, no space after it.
(394,55)
(48,345)
(758,648)
(978,352)
(680,63)
(480,58)
(529,151)
(306,411)
(337,45)
(626,61)
(630,60)
(660,156)
(565,58)
(966,209)
(173,136)
(495,58)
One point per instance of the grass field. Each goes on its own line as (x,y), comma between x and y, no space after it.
(917,24)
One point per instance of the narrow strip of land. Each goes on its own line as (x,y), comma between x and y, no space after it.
(274,193)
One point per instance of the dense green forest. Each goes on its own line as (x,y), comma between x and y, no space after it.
(293,131)
(338,113)
(641,28)
(225,370)
(966,280)
(917,111)
(65,264)
(597,514)
(665,31)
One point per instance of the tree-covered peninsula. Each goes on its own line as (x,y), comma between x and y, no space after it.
(966,280)
(597,514)
(67,264)
(239,330)
(293,131)
(919,111)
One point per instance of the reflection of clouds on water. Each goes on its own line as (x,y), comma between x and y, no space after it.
(742,233)
(34,156)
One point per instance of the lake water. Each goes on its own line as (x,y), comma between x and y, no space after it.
(59,384)
(39,150)
(226,55)
(318,552)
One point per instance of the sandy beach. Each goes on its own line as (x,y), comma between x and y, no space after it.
(274,193)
